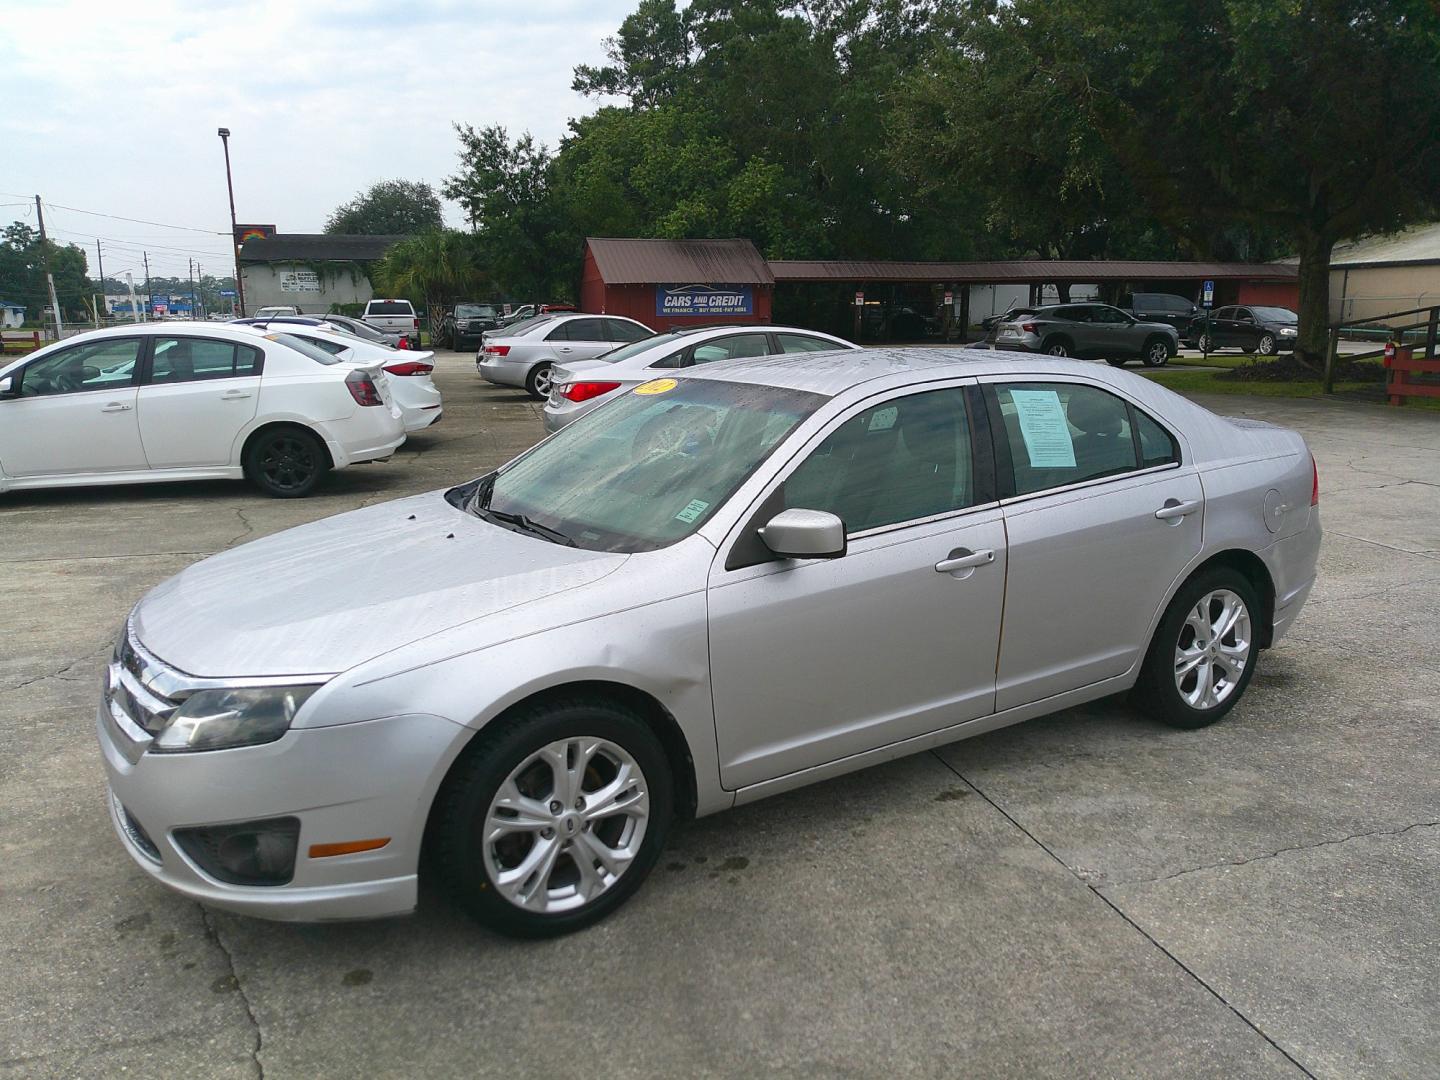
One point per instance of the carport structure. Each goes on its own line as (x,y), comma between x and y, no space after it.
(882,300)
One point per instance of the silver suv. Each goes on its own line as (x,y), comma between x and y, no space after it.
(1089,331)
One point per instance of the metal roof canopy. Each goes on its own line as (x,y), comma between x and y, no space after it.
(1023,271)
(666,262)
(323,247)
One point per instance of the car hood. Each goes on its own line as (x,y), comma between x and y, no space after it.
(326,596)
(1151,324)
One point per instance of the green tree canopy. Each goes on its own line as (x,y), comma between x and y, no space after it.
(388,208)
(22,272)
(434,268)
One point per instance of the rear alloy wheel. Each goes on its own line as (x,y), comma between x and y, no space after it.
(286,463)
(1157,354)
(1266,345)
(539,381)
(552,820)
(1203,653)
(1056,348)
(1205,343)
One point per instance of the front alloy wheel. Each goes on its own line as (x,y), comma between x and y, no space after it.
(553,816)
(1266,345)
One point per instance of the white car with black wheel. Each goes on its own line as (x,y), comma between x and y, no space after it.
(156,401)
(410,382)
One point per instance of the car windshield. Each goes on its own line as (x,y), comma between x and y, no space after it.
(474,311)
(1275,314)
(635,348)
(300,345)
(643,471)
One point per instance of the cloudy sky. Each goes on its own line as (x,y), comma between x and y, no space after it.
(114,108)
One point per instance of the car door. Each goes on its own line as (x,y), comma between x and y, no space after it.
(1114,332)
(814,660)
(1247,329)
(586,338)
(73,411)
(1224,329)
(198,394)
(1102,513)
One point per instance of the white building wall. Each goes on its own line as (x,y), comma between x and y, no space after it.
(268,284)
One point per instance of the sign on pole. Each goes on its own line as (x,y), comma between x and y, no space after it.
(859,298)
(1207,294)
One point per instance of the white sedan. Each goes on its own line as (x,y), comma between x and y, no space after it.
(415,392)
(157,401)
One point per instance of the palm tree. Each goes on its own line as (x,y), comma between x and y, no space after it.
(438,266)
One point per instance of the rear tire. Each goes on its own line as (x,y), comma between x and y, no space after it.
(497,814)
(1157,353)
(537,383)
(1204,651)
(286,462)
(1205,343)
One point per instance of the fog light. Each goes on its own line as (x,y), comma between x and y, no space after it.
(248,853)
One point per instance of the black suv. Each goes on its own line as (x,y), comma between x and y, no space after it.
(1167,308)
(464,323)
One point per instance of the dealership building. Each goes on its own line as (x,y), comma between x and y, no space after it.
(311,271)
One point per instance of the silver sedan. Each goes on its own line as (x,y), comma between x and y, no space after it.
(579,386)
(732,581)
(526,353)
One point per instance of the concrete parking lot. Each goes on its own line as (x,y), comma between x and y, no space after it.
(1088,894)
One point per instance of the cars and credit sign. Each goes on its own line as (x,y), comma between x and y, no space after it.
(704,300)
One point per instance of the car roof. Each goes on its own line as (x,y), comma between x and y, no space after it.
(833,372)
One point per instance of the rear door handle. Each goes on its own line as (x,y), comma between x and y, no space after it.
(234,395)
(1173,508)
(964,559)
(117,406)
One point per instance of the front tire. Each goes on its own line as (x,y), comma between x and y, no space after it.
(553,817)
(537,383)
(286,462)
(1266,345)
(1204,651)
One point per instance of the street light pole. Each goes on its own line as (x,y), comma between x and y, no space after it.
(230,185)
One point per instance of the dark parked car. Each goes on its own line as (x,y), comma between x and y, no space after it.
(1089,331)
(1160,307)
(464,323)
(1263,330)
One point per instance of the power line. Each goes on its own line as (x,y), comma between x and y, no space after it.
(118,217)
(140,245)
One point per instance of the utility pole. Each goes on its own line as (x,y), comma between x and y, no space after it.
(101,260)
(199,277)
(191,264)
(149,300)
(49,277)
(224,134)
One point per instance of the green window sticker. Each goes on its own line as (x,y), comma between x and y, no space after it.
(692,511)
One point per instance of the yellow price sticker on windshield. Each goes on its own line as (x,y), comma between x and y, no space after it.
(656,386)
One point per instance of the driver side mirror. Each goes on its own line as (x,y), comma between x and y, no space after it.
(805,534)
(8,389)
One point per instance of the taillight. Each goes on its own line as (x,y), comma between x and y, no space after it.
(584,391)
(1028,327)
(362,388)
(416,321)
(410,367)
(404,343)
(497,350)
(1315,484)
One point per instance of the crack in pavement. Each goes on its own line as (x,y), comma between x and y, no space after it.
(1377,543)
(1251,1024)
(212,932)
(1273,854)
(99,558)
(1373,594)
(249,529)
(59,672)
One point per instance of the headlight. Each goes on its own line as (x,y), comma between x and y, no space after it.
(225,718)
(1288,331)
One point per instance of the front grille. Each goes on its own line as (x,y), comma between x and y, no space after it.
(135,831)
(138,696)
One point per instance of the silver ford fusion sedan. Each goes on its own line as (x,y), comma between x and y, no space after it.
(721,585)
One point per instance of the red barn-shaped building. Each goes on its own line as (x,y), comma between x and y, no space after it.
(670,283)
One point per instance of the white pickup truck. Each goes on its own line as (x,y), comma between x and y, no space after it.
(394,317)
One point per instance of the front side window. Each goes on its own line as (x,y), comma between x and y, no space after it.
(1063,433)
(561,332)
(729,348)
(1109,315)
(585,329)
(1243,314)
(797,343)
(183,359)
(905,459)
(96,365)
(643,472)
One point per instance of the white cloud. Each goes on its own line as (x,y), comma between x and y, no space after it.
(115,108)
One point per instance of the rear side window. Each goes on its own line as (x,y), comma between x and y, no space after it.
(729,348)
(1073,314)
(560,333)
(620,330)
(334,348)
(389,307)
(300,345)
(1063,433)
(793,343)
(586,329)
(183,359)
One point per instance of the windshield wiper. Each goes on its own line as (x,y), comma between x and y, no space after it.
(520,521)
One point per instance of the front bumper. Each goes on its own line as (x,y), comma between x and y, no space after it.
(344,783)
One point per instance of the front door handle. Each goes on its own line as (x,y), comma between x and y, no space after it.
(964,559)
(1174,509)
(117,406)
(234,395)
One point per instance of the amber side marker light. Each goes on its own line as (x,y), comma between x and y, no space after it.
(350,847)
